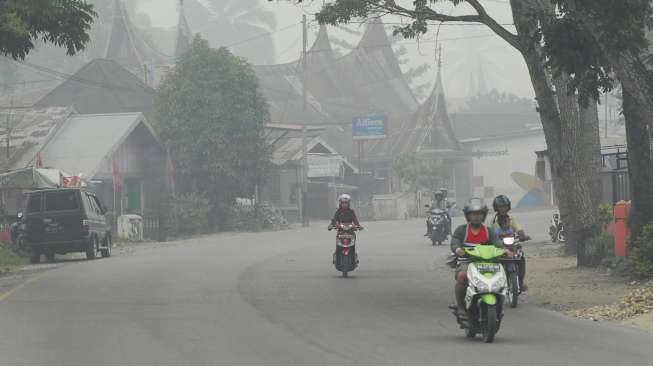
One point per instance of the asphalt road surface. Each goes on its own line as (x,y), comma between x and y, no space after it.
(275,299)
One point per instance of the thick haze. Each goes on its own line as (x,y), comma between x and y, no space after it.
(466,48)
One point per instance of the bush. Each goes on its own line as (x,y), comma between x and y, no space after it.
(642,252)
(10,258)
(188,214)
(245,218)
(598,249)
(605,214)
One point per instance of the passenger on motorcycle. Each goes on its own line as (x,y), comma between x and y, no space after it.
(474,233)
(505,225)
(439,202)
(344,213)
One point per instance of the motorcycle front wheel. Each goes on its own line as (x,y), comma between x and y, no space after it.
(345,274)
(513,296)
(490,323)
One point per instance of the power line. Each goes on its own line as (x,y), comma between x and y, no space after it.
(262,35)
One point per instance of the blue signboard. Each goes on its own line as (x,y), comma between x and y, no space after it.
(370,127)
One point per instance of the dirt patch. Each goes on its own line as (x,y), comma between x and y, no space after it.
(556,283)
(589,293)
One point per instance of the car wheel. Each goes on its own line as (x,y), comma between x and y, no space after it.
(49,256)
(106,251)
(91,249)
(35,258)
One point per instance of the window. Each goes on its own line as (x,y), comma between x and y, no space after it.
(61,201)
(34,203)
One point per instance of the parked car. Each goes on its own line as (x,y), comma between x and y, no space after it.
(66,220)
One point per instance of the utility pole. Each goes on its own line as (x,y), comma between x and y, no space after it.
(606,116)
(304,195)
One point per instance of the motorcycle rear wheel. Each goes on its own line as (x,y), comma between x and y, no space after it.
(345,274)
(490,323)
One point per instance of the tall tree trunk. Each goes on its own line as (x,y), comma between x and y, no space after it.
(571,134)
(640,162)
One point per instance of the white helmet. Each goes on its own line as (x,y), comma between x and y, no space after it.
(344,198)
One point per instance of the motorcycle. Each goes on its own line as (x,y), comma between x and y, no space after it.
(345,258)
(557,229)
(511,265)
(438,222)
(486,291)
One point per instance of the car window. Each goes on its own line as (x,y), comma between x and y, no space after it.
(93,204)
(34,203)
(88,205)
(61,201)
(98,204)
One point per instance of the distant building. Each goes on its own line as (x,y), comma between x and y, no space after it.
(102,86)
(500,144)
(118,154)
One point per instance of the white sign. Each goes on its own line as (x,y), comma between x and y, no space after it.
(324,165)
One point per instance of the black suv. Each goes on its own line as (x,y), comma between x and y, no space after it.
(61,221)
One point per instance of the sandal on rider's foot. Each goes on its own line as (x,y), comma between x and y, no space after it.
(461,315)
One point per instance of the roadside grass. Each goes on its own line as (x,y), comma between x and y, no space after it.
(9,258)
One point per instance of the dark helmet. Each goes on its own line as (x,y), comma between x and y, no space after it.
(475,205)
(438,195)
(501,200)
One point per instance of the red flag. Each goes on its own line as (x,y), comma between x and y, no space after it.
(39,160)
(170,174)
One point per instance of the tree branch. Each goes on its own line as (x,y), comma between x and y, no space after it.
(497,28)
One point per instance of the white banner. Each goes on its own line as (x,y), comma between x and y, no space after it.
(324,165)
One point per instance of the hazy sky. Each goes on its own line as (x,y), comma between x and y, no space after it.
(466,48)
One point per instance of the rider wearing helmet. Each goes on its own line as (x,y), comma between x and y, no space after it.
(439,202)
(506,225)
(344,213)
(471,233)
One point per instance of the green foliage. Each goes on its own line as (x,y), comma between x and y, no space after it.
(570,48)
(188,214)
(605,214)
(419,173)
(10,258)
(642,252)
(598,248)
(64,23)
(211,115)
(496,102)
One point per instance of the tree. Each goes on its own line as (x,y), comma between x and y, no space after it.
(210,114)
(419,173)
(64,23)
(495,102)
(591,40)
(570,127)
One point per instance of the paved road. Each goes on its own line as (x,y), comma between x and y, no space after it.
(274,299)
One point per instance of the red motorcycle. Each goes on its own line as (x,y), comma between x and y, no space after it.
(345,258)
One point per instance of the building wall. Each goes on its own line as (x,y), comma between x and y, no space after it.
(496,170)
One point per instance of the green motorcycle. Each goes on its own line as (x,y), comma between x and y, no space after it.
(486,291)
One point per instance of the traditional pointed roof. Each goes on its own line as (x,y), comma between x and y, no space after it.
(127,47)
(102,86)
(428,132)
(184,34)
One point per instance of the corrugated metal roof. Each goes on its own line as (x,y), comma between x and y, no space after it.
(84,141)
(31,129)
(102,86)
